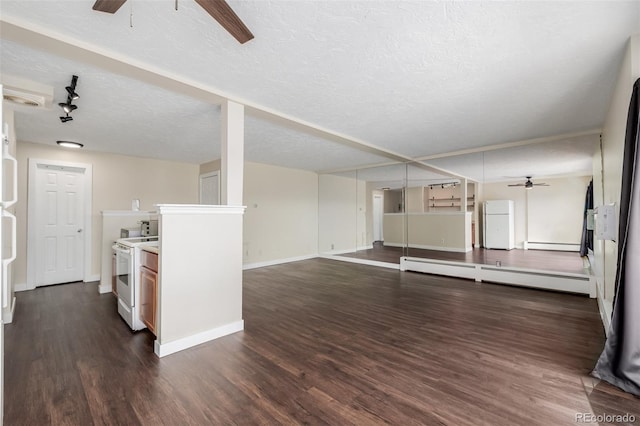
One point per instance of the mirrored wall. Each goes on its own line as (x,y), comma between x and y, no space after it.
(514,207)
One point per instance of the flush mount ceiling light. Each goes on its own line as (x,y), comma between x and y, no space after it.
(68,107)
(69,144)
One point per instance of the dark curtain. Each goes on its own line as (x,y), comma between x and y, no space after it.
(619,363)
(587,235)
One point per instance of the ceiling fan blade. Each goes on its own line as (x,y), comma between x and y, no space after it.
(541,184)
(222,12)
(109,6)
(516,184)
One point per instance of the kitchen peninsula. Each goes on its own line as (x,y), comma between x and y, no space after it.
(199,275)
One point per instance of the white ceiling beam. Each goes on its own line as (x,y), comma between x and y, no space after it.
(524,142)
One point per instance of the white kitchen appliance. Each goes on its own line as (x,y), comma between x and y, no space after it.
(499,224)
(127,251)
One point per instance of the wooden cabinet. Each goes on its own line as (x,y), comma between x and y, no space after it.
(149,290)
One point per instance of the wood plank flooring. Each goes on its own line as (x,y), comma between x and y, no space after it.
(561,261)
(325,342)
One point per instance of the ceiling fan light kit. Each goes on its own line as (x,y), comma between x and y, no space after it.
(528,183)
(218,9)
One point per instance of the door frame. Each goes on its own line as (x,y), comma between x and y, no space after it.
(202,177)
(31,214)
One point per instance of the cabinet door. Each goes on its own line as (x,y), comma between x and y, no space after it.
(148,285)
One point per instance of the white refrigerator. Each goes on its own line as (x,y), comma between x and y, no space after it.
(499,224)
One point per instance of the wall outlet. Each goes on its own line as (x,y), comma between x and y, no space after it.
(442,241)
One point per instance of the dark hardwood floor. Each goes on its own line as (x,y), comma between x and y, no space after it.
(325,342)
(561,261)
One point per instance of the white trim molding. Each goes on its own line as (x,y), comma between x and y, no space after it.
(425,247)
(169,348)
(103,289)
(377,263)
(255,265)
(126,212)
(542,279)
(165,209)
(530,245)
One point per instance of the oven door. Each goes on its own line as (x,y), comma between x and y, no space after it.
(124,275)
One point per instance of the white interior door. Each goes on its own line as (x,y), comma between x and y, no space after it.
(377,218)
(59,198)
(210,188)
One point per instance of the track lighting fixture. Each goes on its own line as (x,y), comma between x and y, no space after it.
(68,107)
(71,90)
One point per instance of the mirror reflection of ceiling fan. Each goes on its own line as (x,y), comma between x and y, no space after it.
(218,9)
(528,183)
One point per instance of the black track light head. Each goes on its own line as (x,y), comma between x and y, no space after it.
(67,107)
(65,119)
(72,94)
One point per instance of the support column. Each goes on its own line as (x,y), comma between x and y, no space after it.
(232,152)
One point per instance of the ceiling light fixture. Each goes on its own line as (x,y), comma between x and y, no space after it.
(69,144)
(68,107)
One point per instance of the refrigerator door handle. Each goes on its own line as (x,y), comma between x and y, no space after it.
(7,261)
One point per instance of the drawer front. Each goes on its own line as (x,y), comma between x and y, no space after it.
(150,260)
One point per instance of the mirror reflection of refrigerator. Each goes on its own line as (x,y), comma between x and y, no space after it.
(499,224)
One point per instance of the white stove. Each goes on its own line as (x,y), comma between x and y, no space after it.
(127,252)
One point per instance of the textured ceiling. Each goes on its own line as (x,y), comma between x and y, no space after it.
(414,77)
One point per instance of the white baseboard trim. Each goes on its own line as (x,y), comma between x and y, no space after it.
(362,261)
(278,261)
(169,348)
(92,278)
(606,310)
(21,287)
(439,248)
(528,245)
(104,289)
(7,314)
(541,279)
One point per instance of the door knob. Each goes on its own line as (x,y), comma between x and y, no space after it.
(79,230)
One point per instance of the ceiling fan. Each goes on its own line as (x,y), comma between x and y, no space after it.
(218,9)
(528,184)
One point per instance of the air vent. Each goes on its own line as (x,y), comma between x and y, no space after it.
(23,98)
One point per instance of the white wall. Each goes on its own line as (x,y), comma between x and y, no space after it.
(281,220)
(337,214)
(545,214)
(555,213)
(117,179)
(608,166)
